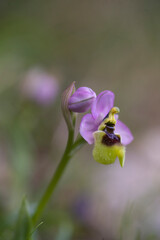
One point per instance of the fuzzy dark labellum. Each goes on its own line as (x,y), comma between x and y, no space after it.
(110,138)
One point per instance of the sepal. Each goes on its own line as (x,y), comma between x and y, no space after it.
(68,115)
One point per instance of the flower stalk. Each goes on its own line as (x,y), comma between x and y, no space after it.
(71,148)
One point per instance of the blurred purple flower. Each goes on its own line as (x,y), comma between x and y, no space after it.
(99,111)
(82,208)
(40,86)
(82,100)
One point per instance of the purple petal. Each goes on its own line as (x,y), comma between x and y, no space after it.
(124,132)
(82,99)
(87,127)
(102,105)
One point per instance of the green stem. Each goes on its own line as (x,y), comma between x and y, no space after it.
(69,151)
(55,179)
(77,145)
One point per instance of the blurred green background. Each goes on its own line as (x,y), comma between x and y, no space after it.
(105,45)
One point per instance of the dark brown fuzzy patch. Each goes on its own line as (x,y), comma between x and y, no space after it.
(109,139)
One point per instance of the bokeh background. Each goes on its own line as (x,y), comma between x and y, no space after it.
(105,45)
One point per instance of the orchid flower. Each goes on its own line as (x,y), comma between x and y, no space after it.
(102,128)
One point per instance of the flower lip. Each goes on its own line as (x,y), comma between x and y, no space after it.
(110,139)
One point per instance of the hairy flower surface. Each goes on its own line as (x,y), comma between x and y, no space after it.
(102,127)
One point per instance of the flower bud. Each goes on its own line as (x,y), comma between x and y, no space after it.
(68,115)
(81,100)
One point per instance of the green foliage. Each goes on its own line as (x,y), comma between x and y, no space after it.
(23,228)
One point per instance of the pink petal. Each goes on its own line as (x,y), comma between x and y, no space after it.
(87,127)
(102,105)
(81,100)
(124,132)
